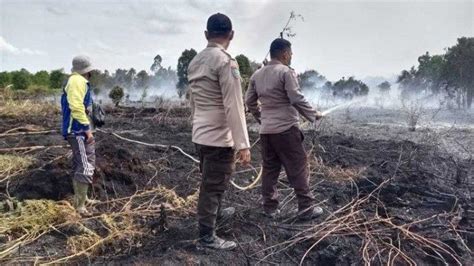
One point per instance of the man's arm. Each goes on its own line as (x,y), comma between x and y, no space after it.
(297,98)
(229,80)
(251,100)
(76,92)
(191,103)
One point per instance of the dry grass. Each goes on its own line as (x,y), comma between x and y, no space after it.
(13,164)
(118,226)
(318,168)
(384,241)
(22,109)
(413,111)
(30,220)
(79,243)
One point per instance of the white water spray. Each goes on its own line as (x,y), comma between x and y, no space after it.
(332,109)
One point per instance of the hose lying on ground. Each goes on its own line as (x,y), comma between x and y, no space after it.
(250,186)
(152,145)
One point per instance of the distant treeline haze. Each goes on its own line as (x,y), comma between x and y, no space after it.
(451,73)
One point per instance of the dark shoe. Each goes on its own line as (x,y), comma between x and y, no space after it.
(272,214)
(226,214)
(216,242)
(310,214)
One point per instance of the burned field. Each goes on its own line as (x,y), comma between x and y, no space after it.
(386,201)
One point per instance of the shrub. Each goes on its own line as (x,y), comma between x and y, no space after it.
(21,80)
(116,95)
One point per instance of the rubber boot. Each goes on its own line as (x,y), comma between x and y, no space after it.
(90,201)
(80,197)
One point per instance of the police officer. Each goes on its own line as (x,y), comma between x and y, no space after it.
(219,126)
(276,87)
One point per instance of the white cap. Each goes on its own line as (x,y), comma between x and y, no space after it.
(81,64)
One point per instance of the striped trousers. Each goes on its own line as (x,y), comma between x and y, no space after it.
(83,158)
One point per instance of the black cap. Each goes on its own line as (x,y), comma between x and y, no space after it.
(219,23)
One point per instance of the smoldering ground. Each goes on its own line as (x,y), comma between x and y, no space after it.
(386,200)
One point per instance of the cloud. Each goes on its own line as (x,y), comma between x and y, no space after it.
(98,47)
(104,47)
(8,48)
(156,26)
(170,19)
(55,10)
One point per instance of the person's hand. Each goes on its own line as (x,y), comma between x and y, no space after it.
(243,156)
(319,115)
(89,137)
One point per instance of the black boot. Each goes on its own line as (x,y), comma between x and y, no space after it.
(208,239)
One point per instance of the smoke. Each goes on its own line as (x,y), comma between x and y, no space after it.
(395,98)
(143,96)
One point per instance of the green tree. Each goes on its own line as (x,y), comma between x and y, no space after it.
(245,70)
(348,88)
(310,79)
(142,80)
(41,78)
(384,86)
(182,70)
(97,81)
(130,77)
(120,78)
(116,95)
(5,79)
(409,82)
(244,66)
(459,67)
(451,70)
(21,79)
(57,78)
(430,71)
(156,64)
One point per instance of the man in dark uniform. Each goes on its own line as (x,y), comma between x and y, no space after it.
(275,87)
(219,126)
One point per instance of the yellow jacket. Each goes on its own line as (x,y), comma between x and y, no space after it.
(75,100)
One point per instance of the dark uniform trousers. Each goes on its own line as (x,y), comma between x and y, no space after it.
(216,165)
(285,149)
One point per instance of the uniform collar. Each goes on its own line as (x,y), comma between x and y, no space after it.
(275,62)
(214,44)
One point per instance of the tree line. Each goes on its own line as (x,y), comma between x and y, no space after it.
(158,76)
(22,79)
(450,73)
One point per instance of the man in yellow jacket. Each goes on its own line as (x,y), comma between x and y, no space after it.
(77,129)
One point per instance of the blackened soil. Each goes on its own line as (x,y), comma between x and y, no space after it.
(422,182)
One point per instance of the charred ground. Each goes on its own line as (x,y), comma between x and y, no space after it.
(385,201)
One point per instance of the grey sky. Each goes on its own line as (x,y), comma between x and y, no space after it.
(337,38)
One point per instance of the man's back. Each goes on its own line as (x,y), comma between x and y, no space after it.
(276,87)
(216,98)
(203,77)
